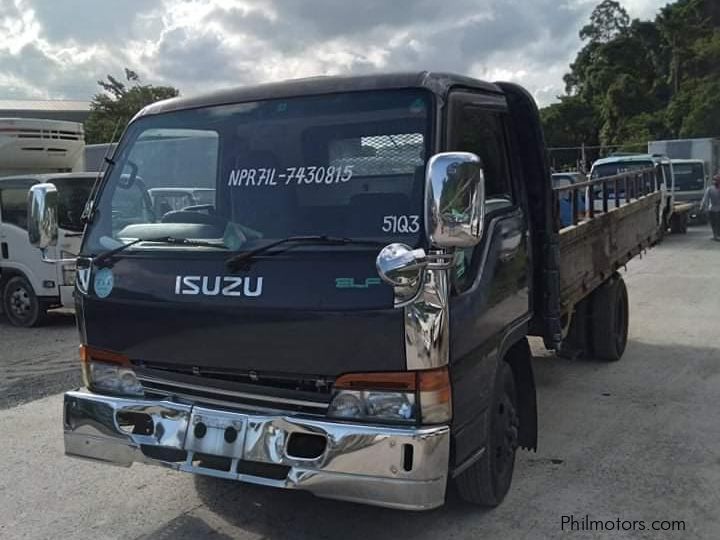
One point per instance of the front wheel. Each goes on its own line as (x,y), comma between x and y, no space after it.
(20,303)
(487,481)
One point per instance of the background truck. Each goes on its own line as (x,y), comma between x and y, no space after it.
(707,150)
(686,153)
(34,146)
(30,285)
(691,180)
(675,214)
(33,151)
(349,316)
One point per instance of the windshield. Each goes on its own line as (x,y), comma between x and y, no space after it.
(611,169)
(349,165)
(689,176)
(73,193)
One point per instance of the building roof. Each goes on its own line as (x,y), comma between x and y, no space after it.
(439,83)
(43,105)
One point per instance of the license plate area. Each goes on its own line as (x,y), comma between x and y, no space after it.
(216,433)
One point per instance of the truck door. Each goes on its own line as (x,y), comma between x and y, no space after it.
(15,250)
(490,282)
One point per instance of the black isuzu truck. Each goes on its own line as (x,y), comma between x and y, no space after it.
(346,309)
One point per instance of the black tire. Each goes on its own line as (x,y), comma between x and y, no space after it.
(675,225)
(577,341)
(610,317)
(20,304)
(487,481)
(679,224)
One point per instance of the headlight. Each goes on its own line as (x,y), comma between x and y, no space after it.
(407,397)
(68,270)
(68,275)
(373,405)
(109,372)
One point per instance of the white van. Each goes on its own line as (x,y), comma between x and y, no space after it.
(28,285)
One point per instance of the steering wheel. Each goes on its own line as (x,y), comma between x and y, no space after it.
(210,208)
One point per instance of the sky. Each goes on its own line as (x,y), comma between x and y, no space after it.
(58,49)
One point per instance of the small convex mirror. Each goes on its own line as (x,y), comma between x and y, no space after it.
(42,215)
(401,266)
(455,200)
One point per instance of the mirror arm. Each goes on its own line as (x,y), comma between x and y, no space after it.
(441,260)
(45,259)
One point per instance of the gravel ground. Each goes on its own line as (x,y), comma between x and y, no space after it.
(634,440)
(38,362)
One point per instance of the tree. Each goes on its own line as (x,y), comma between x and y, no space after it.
(695,109)
(608,20)
(114,107)
(642,80)
(568,123)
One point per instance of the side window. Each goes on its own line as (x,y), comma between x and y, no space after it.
(479,128)
(481,131)
(131,203)
(13,206)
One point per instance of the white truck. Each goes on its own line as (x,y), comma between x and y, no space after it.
(31,283)
(694,163)
(34,151)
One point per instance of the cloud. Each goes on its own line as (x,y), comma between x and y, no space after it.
(60,49)
(89,21)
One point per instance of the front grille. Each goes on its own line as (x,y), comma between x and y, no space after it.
(200,390)
(287,381)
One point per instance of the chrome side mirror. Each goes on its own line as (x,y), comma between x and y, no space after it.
(42,215)
(404,268)
(454,200)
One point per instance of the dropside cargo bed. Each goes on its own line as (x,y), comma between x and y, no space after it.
(592,250)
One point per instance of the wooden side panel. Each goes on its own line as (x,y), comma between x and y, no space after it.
(591,251)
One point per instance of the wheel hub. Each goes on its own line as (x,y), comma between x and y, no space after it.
(20,302)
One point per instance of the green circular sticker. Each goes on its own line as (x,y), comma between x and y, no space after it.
(103,282)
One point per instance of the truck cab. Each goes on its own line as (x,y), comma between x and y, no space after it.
(691,179)
(29,285)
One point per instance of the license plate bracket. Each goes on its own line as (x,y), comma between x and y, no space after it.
(216,433)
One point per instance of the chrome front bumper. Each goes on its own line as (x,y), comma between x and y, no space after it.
(359,463)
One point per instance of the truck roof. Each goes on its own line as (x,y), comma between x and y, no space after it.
(687,161)
(665,141)
(438,83)
(630,157)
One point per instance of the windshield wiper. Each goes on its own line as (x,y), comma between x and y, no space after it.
(236,260)
(107,256)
